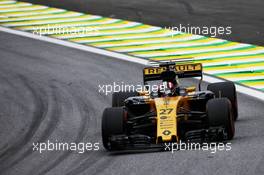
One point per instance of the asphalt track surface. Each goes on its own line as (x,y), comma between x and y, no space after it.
(50,92)
(244,16)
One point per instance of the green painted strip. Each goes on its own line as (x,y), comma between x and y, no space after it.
(175,47)
(55,13)
(205,59)
(248,81)
(217,58)
(107,34)
(114,40)
(85,25)
(53,30)
(238,56)
(203,46)
(234,64)
(116,29)
(237,73)
(25,20)
(11,2)
(7,2)
(24,9)
(52,22)
(213,51)
(129,27)
(42,20)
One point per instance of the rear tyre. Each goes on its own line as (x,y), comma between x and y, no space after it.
(228,90)
(112,124)
(118,98)
(219,114)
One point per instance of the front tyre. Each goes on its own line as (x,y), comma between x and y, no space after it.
(228,90)
(219,114)
(112,124)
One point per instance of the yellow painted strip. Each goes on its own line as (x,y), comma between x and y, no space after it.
(256,84)
(35,12)
(120,25)
(7,2)
(138,29)
(18,4)
(19,9)
(153,34)
(55,29)
(240,76)
(181,38)
(50,21)
(232,60)
(234,69)
(243,75)
(229,46)
(100,21)
(218,68)
(38,17)
(216,54)
(158,46)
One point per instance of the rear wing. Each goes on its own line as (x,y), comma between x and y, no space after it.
(183,71)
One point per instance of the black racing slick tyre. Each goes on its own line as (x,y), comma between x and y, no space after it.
(112,124)
(118,98)
(219,114)
(228,90)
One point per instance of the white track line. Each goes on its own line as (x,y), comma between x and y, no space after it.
(243,89)
(7,2)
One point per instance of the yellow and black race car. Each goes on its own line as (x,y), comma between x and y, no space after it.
(150,119)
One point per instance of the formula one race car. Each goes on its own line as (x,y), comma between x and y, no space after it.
(150,119)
